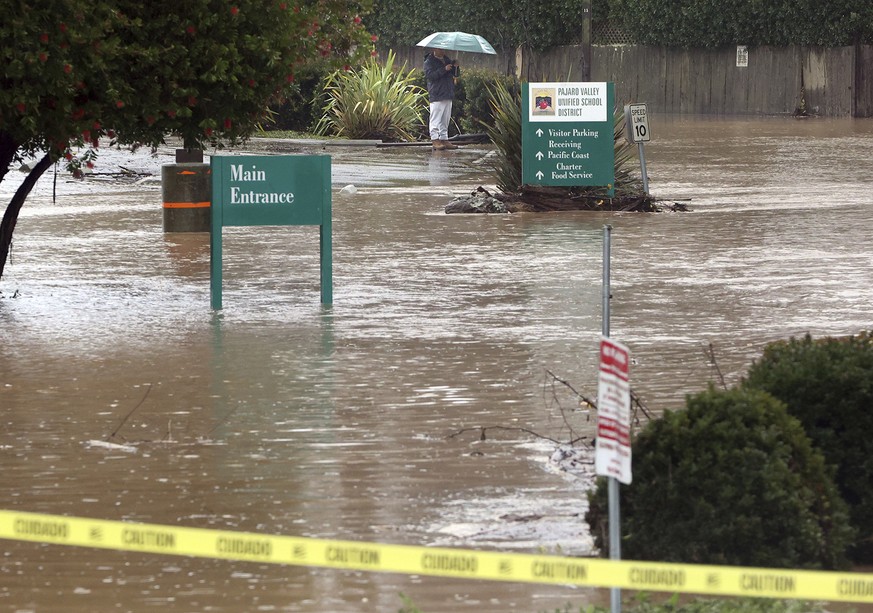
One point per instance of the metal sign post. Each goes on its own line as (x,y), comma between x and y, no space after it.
(613,498)
(613,453)
(636,121)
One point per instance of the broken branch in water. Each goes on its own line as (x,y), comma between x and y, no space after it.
(710,354)
(131,412)
(221,421)
(585,402)
(483,437)
(637,405)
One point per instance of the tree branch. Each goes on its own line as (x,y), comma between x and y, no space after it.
(710,354)
(131,412)
(482,434)
(10,217)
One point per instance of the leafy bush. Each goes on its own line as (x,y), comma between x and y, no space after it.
(740,605)
(373,102)
(417,78)
(473,95)
(709,23)
(733,479)
(535,24)
(707,605)
(301,108)
(828,385)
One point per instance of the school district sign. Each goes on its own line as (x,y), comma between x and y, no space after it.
(567,134)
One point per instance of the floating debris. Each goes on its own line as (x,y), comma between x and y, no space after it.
(112,446)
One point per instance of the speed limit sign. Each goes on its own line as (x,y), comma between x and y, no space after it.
(636,122)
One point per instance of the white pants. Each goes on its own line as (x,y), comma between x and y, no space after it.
(440,114)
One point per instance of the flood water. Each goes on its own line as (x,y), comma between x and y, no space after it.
(363,421)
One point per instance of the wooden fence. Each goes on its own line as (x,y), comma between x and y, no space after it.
(834,82)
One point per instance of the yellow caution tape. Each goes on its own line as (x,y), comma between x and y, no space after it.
(443,562)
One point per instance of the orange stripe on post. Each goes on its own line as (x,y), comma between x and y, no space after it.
(187,205)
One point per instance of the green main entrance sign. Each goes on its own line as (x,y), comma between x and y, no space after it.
(567,134)
(271,190)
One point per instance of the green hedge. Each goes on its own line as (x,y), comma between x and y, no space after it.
(718,23)
(472,93)
(828,385)
(671,23)
(645,604)
(731,480)
(301,110)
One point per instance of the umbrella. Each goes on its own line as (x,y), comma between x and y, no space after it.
(457,41)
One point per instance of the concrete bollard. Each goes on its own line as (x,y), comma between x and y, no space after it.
(187,193)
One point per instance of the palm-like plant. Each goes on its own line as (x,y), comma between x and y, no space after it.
(626,183)
(373,102)
(506,136)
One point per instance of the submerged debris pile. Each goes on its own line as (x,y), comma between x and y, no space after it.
(480,200)
(537,198)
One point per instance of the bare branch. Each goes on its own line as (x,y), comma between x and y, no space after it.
(221,421)
(710,354)
(482,433)
(583,399)
(131,412)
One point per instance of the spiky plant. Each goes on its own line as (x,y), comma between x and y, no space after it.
(375,101)
(506,136)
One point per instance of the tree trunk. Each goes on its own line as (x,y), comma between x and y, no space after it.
(7,152)
(10,217)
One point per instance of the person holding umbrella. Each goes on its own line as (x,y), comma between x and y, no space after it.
(440,71)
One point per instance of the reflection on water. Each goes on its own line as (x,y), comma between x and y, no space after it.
(278,415)
(439,167)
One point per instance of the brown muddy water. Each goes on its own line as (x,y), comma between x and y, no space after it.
(279,416)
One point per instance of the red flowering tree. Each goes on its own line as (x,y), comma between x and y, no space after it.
(86,72)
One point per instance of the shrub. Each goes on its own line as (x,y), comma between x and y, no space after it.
(473,96)
(301,109)
(416,78)
(733,479)
(828,385)
(706,23)
(373,102)
(645,604)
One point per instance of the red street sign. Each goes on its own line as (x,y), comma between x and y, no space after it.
(613,451)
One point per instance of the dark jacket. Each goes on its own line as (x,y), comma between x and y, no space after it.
(440,82)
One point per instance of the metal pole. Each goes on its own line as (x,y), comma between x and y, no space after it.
(643,169)
(614,511)
(607,230)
